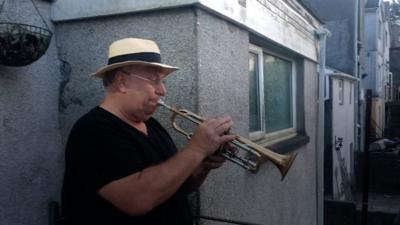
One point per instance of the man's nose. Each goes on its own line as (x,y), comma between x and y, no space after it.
(161,89)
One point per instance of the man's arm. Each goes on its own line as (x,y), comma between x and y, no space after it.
(140,192)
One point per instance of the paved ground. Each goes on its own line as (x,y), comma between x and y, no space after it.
(379,202)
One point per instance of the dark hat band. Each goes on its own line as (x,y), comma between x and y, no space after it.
(142,56)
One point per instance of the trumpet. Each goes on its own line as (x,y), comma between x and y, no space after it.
(252,155)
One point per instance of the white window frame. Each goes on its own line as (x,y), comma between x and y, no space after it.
(351,92)
(341,91)
(385,39)
(281,134)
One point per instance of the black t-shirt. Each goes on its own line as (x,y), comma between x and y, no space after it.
(102,148)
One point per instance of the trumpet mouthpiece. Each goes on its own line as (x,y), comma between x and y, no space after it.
(161,102)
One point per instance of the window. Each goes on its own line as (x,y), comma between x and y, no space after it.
(341,91)
(385,39)
(255,114)
(379,77)
(351,92)
(272,98)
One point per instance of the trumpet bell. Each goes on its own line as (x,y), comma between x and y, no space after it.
(286,163)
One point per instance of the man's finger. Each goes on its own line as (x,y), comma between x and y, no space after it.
(215,158)
(224,126)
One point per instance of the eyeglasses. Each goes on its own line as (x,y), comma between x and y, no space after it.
(154,82)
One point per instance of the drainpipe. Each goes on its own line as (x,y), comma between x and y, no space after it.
(322,33)
(357,84)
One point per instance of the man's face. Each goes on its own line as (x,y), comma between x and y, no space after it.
(144,87)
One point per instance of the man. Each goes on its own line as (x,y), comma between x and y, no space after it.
(121,165)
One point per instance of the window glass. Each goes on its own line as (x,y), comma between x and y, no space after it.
(255,120)
(351,93)
(341,90)
(277,93)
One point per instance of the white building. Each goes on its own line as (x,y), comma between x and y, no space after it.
(340,135)
(378,76)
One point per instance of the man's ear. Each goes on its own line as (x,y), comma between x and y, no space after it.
(121,82)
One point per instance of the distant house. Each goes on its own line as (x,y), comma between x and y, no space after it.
(340,139)
(377,75)
(392,129)
(343,114)
(395,61)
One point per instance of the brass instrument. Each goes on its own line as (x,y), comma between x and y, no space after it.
(253,154)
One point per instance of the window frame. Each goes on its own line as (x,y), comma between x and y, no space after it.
(280,135)
(351,93)
(341,91)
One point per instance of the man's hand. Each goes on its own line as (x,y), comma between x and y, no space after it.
(213,162)
(216,160)
(210,135)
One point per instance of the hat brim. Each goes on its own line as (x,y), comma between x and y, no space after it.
(166,69)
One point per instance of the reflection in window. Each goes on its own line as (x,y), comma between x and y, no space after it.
(341,90)
(271,92)
(255,120)
(277,93)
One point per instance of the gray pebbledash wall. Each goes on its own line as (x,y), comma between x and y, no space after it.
(232,192)
(83,46)
(31,157)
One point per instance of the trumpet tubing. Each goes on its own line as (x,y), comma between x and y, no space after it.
(252,155)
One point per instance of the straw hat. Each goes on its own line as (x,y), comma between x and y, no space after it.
(133,51)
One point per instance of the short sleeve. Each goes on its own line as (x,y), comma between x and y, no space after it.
(100,153)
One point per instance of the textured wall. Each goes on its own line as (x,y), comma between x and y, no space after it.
(343,127)
(176,39)
(339,17)
(231,192)
(30,148)
(371,29)
(370,81)
(328,10)
(340,46)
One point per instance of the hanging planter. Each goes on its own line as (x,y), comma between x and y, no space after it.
(22,44)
